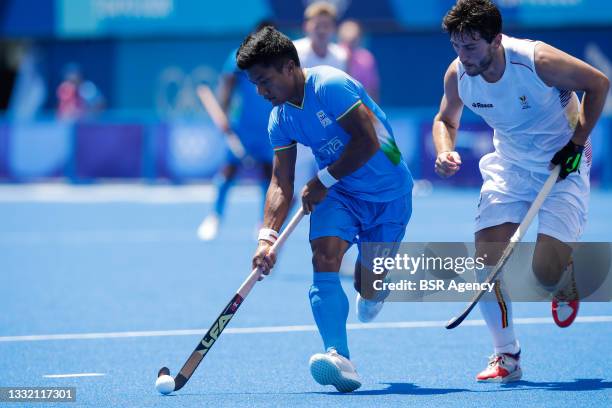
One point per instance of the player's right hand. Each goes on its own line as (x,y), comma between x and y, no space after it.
(447,164)
(264,259)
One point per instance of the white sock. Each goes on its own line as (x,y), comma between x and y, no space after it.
(496,310)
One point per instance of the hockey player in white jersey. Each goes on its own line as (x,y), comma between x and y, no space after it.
(524,90)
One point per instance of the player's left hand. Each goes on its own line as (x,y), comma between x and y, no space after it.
(313,193)
(569,158)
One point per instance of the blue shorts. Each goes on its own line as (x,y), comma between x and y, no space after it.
(357,221)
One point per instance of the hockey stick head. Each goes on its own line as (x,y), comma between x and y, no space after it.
(452,323)
(170,384)
(457,320)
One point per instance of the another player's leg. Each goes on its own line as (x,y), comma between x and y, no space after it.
(305,170)
(496,309)
(387,225)
(505,198)
(264,182)
(366,308)
(209,227)
(265,169)
(562,219)
(554,270)
(332,227)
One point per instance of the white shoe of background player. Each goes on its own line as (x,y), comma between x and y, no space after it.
(209,228)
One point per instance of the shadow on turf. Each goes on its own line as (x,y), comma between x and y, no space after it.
(392,388)
(579,384)
(401,388)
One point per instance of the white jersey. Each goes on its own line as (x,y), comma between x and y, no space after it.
(336,56)
(531,120)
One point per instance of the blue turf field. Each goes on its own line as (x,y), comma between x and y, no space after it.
(120,267)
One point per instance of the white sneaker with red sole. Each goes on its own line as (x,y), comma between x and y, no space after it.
(566,302)
(502,368)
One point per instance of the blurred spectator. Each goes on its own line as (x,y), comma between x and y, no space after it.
(29,91)
(361,64)
(251,126)
(77,97)
(317,48)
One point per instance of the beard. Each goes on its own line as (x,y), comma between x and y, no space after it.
(483,65)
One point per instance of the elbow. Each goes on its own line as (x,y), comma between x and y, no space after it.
(374,147)
(605,83)
(600,85)
(440,120)
(438,117)
(364,152)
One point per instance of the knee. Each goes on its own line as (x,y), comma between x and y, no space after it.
(489,252)
(326,260)
(546,273)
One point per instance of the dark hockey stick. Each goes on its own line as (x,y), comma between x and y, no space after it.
(516,237)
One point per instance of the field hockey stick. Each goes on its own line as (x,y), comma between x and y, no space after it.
(516,237)
(219,118)
(226,315)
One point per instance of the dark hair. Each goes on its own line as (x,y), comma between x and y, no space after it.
(263,24)
(267,46)
(473,16)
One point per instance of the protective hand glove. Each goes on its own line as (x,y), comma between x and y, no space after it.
(569,158)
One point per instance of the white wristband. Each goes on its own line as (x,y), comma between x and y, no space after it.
(326,178)
(267,234)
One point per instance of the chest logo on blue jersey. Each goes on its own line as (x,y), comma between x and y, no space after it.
(331,147)
(524,103)
(325,121)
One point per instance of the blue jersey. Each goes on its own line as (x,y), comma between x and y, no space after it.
(329,95)
(250,118)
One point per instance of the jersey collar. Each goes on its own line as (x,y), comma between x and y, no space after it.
(301,105)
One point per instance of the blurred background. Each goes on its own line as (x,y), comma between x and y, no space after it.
(109,162)
(99,90)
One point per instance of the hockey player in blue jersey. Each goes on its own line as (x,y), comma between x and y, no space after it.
(362,192)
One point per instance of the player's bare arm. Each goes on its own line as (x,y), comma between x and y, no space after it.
(278,201)
(561,70)
(361,147)
(446,123)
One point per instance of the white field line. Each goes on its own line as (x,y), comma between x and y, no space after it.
(285,329)
(73,375)
(98,237)
(131,236)
(120,193)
